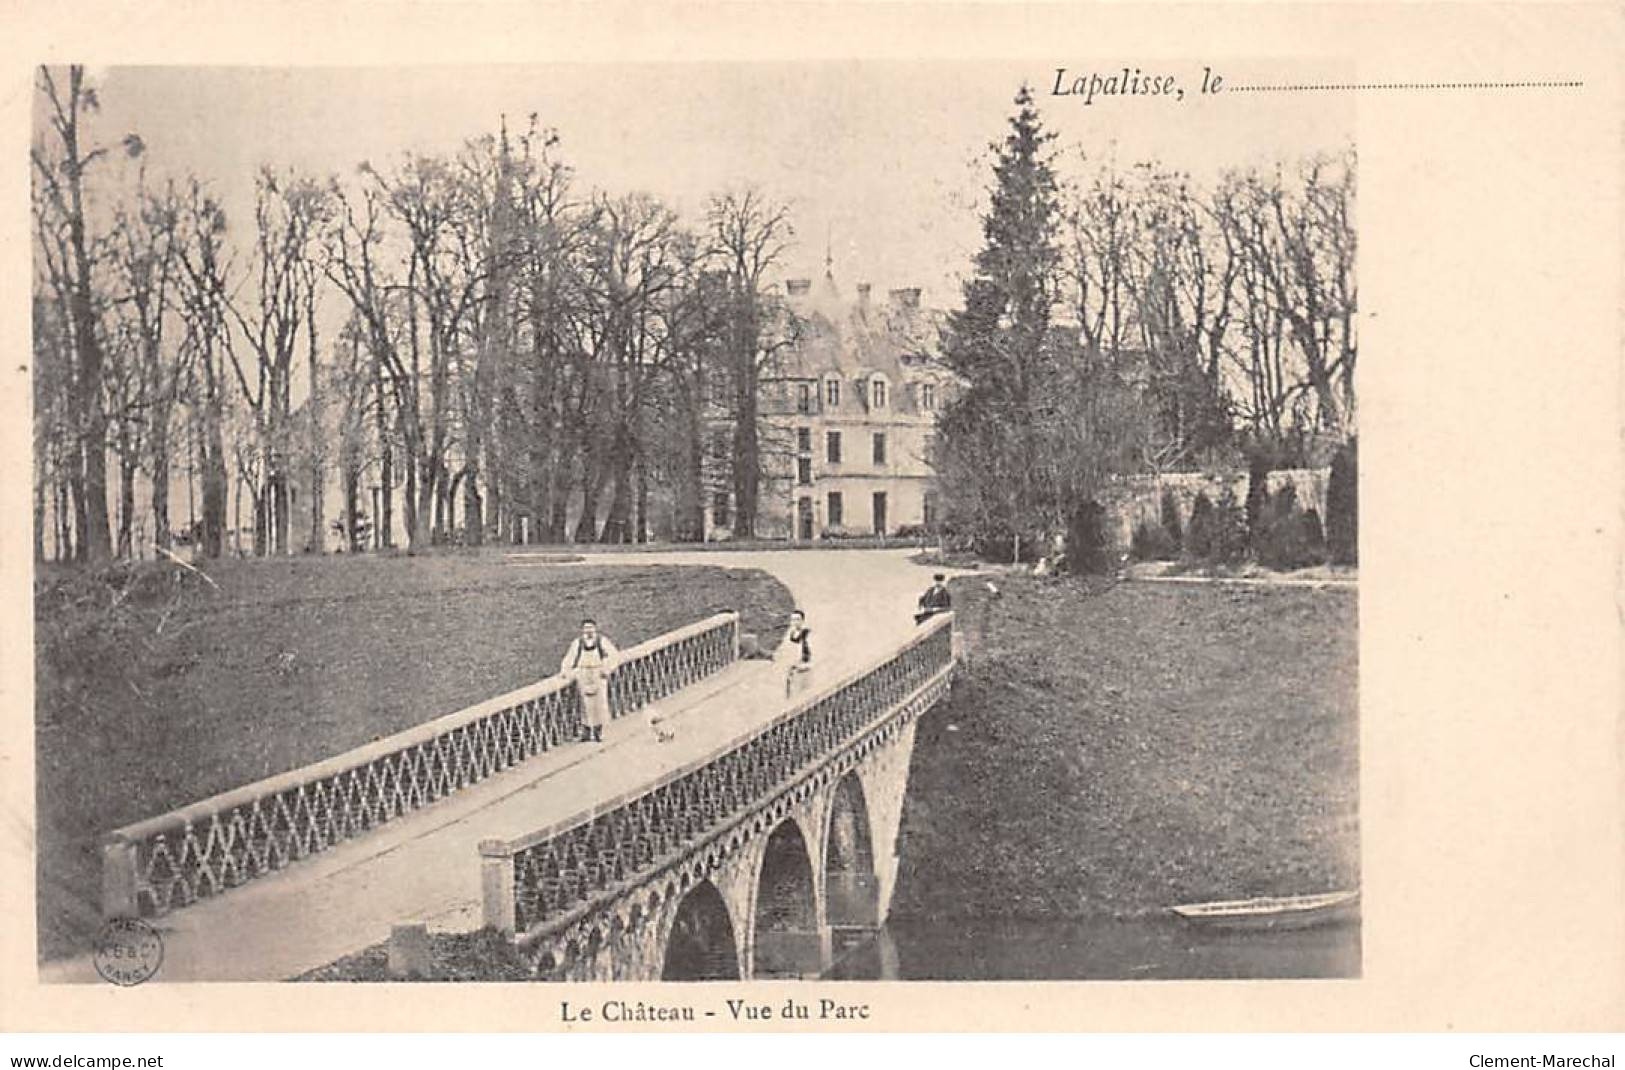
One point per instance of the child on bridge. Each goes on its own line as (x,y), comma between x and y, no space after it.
(795,653)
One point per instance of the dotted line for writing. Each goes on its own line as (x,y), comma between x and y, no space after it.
(1404,85)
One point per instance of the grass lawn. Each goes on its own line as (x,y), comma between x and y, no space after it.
(1115,749)
(158,691)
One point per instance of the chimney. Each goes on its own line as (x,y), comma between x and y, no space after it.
(798,287)
(863,295)
(906,299)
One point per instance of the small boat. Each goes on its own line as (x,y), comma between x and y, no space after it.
(1273,912)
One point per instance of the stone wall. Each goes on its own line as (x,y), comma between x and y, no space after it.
(1139,499)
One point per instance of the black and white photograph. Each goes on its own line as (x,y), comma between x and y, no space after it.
(655,523)
(835,518)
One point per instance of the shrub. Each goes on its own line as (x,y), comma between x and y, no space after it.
(1086,540)
(1342,507)
(1284,542)
(1152,543)
(1199,543)
(1258,498)
(1170,522)
(1229,531)
(1313,533)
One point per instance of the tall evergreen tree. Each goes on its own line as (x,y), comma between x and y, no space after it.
(999,342)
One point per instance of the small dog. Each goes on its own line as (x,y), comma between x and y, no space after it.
(664,733)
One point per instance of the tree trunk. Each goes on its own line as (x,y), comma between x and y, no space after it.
(282,510)
(643,503)
(81,510)
(746,463)
(409,502)
(443,520)
(352,494)
(64,520)
(261,502)
(559,507)
(318,475)
(592,485)
(617,527)
(473,508)
(126,510)
(690,526)
(160,479)
(39,521)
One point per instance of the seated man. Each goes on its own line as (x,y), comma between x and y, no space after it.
(936,599)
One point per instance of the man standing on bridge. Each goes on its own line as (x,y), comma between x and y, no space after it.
(589,660)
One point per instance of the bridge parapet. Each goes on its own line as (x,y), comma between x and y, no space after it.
(200,850)
(564,876)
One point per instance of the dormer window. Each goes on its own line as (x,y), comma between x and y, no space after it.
(878,393)
(832,393)
(928,397)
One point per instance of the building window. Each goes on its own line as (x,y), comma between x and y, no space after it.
(804,471)
(804,439)
(832,393)
(719,509)
(804,397)
(880,448)
(835,507)
(832,447)
(928,397)
(719,444)
(879,393)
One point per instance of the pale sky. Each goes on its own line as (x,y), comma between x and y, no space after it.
(888,160)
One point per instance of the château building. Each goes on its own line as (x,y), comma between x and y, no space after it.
(849,409)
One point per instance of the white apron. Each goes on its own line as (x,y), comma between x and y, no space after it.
(590,668)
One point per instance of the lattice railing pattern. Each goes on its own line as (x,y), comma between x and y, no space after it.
(651,671)
(201,850)
(564,868)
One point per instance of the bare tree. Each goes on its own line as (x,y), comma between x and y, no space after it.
(750,234)
(288,214)
(60,167)
(204,288)
(1300,247)
(146,254)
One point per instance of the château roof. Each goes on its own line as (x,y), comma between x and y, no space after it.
(858,335)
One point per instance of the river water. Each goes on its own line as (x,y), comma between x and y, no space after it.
(1159,948)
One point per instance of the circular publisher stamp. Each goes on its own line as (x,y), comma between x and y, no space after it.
(128,951)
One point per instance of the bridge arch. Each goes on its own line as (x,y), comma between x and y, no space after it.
(700,944)
(851,891)
(787,939)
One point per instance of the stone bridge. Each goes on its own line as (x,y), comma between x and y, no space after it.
(758,860)
(753,841)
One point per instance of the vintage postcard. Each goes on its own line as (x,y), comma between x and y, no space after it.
(677,519)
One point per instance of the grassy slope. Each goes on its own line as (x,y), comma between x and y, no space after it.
(293,661)
(1114,750)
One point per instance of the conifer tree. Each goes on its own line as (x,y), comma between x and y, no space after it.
(999,341)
